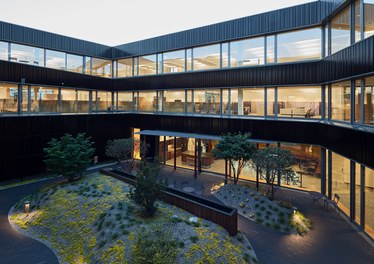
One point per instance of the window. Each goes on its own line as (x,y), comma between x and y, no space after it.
(88,61)
(207,101)
(270,49)
(27,55)
(206,58)
(68,101)
(8,98)
(368,18)
(174,61)
(125,68)
(369,101)
(341,181)
(125,101)
(147,101)
(44,99)
(4,46)
(83,101)
(74,63)
(248,101)
(270,94)
(299,45)
(104,101)
(369,201)
(174,101)
(147,65)
(225,55)
(341,101)
(357,21)
(55,60)
(358,102)
(189,60)
(247,52)
(302,102)
(340,31)
(102,68)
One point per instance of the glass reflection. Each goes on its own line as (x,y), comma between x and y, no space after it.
(4,50)
(206,58)
(8,98)
(299,45)
(147,65)
(341,101)
(174,61)
(369,101)
(74,63)
(340,31)
(248,101)
(55,60)
(102,68)
(125,67)
(125,101)
(247,52)
(68,101)
(299,102)
(27,55)
(207,101)
(174,101)
(44,99)
(368,18)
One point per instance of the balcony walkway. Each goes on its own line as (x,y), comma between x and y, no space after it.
(332,239)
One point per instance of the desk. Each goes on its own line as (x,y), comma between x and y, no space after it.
(188,157)
(188,189)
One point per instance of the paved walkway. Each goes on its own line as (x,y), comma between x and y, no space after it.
(14,247)
(332,239)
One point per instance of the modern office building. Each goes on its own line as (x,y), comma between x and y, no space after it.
(300,78)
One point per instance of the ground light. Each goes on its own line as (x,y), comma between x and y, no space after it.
(27,207)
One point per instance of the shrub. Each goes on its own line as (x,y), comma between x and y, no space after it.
(154,245)
(194,239)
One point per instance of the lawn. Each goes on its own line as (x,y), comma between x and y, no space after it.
(278,215)
(93,221)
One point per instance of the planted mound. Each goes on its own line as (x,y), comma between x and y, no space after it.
(274,214)
(93,221)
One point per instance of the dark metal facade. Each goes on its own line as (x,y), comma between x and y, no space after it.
(24,137)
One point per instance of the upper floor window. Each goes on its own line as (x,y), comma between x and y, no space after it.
(125,67)
(206,58)
(299,45)
(102,68)
(74,63)
(340,31)
(174,61)
(368,18)
(27,54)
(55,59)
(247,52)
(147,65)
(4,50)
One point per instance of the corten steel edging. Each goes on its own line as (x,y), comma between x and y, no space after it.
(192,204)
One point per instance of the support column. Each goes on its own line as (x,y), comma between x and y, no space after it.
(195,160)
(90,103)
(165,150)
(352,190)
(329,174)
(362,195)
(175,153)
(199,155)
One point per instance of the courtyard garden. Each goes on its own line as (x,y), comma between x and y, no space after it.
(278,215)
(93,220)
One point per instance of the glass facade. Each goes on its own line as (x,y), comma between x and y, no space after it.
(55,60)
(124,101)
(26,54)
(174,101)
(8,98)
(44,99)
(341,181)
(74,63)
(299,102)
(147,101)
(101,68)
(4,47)
(247,52)
(206,57)
(125,68)
(83,101)
(68,101)
(207,101)
(340,31)
(104,101)
(174,61)
(369,201)
(299,45)
(341,101)
(368,101)
(357,26)
(248,101)
(147,65)
(270,49)
(368,18)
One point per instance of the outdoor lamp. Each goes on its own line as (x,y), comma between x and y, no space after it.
(27,206)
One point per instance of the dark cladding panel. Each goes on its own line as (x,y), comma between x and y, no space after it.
(279,20)
(33,37)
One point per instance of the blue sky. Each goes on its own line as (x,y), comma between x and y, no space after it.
(115,22)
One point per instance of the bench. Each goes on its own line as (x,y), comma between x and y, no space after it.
(334,202)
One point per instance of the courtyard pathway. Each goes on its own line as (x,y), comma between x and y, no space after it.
(332,239)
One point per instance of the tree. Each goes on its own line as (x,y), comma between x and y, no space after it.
(235,149)
(123,149)
(147,188)
(273,162)
(69,155)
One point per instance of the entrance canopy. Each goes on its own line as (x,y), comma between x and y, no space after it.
(162,133)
